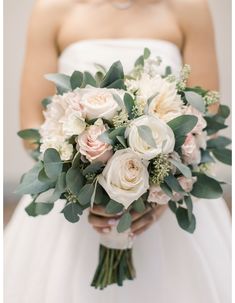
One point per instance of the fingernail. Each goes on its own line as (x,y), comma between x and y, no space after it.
(106,230)
(112,222)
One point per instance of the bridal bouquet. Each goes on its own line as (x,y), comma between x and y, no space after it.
(126,142)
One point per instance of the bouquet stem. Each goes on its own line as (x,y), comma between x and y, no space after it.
(115,266)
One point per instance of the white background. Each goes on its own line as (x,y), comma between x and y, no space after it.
(16,14)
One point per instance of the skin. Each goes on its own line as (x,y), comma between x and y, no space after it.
(55,24)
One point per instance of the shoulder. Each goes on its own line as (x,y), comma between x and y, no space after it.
(191,13)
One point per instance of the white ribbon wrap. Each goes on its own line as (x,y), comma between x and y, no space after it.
(116,240)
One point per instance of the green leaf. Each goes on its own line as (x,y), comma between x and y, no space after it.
(118,99)
(223,155)
(120,131)
(146,135)
(206,187)
(72,211)
(42,176)
(30,183)
(173,183)
(93,168)
(88,79)
(122,140)
(168,71)
(76,79)
(139,205)
(85,194)
(60,188)
(129,104)
(46,101)
(185,170)
(147,53)
(189,203)
(114,73)
(99,78)
(183,125)
(104,137)
(76,160)
(30,134)
(218,143)
(118,84)
(192,225)
(172,205)
(101,197)
(224,111)
(213,126)
(74,180)
(167,190)
(182,217)
(196,101)
(52,163)
(206,157)
(61,81)
(36,209)
(113,207)
(124,223)
(101,68)
(139,61)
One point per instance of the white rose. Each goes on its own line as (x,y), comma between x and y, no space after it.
(64,149)
(125,177)
(72,123)
(99,102)
(161,132)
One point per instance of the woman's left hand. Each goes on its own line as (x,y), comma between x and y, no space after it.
(142,221)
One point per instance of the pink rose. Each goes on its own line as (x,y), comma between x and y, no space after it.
(201,123)
(157,195)
(91,147)
(186,184)
(190,150)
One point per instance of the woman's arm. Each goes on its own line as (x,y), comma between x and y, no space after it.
(40,58)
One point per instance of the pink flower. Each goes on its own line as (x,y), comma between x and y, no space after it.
(186,184)
(91,147)
(201,124)
(190,150)
(157,195)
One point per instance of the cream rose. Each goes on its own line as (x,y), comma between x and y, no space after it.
(162,134)
(157,195)
(190,150)
(125,177)
(91,147)
(99,102)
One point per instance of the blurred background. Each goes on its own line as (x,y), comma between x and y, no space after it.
(16,160)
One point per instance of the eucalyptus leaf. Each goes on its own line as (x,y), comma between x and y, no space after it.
(46,101)
(174,184)
(30,134)
(183,125)
(168,71)
(129,104)
(76,79)
(124,222)
(72,211)
(61,81)
(119,100)
(52,163)
(218,143)
(74,180)
(167,190)
(36,209)
(60,188)
(114,73)
(104,137)
(122,140)
(139,61)
(85,194)
(206,157)
(120,131)
(146,135)
(118,84)
(93,168)
(76,160)
(147,53)
(206,187)
(88,79)
(182,218)
(185,170)
(213,126)
(223,155)
(139,205)
(196,101)
(189,203)
(113,207)
(172,205)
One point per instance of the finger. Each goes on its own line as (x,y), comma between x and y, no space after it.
(104,230)
(100,211)
(146,219)
(136,215)
(102,222)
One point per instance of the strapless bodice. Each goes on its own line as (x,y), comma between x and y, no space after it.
(83,55)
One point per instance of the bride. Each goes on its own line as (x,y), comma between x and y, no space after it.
(47,259)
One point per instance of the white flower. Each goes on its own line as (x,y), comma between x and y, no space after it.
(72,123)
(125,177)
(99,102)
(161,132)
(64,149)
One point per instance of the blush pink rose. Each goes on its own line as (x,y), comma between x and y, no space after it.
(190,150)
(201,123)
(91,147)
(186,184)
(157,195)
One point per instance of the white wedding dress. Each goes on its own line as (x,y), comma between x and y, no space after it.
(49,260)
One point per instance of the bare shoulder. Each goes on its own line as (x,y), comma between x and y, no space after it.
(191,13)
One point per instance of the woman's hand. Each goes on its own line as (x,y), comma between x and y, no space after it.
(102,222)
